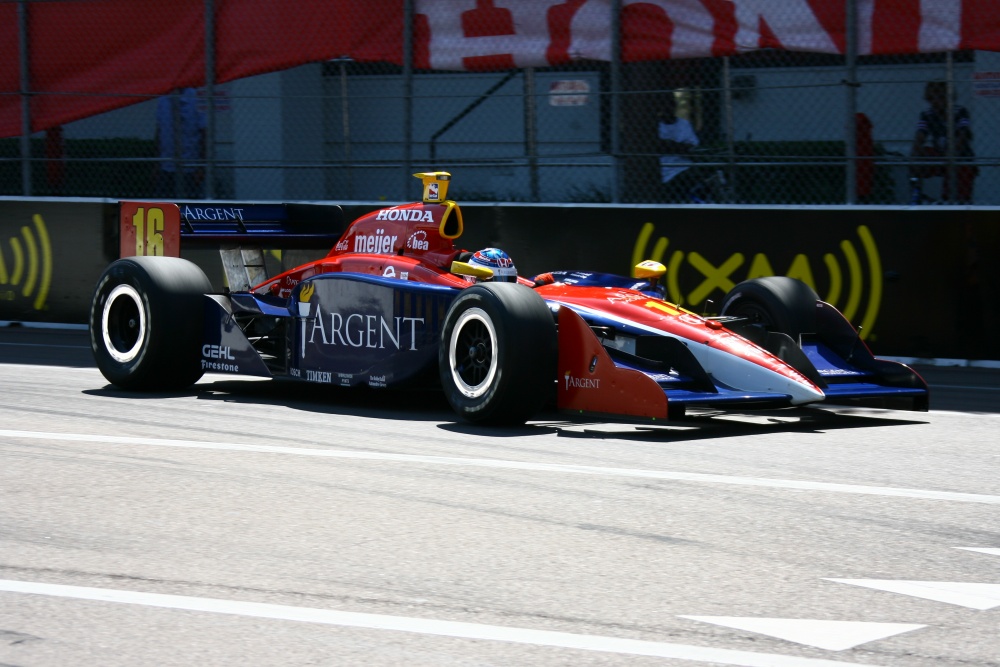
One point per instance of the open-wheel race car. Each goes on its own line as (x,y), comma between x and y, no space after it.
(395,303)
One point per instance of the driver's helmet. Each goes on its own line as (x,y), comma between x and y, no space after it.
(498,262)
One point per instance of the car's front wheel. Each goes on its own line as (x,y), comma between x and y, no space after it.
(146,323)
(498,354)
(775,303)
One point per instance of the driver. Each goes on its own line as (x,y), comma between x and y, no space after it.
(498,262)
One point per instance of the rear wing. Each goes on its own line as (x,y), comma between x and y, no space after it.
(159,228)
(240,231)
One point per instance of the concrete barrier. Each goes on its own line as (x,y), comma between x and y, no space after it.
(920,282)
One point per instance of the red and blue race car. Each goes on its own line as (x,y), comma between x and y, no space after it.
(395,303)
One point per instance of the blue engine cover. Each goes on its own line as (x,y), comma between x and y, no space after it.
(355,329)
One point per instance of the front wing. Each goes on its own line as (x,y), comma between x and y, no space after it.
(599,380)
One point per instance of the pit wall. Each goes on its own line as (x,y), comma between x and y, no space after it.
(920,282)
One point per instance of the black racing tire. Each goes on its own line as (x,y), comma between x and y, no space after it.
(775,303)
(146,320)
(498,354)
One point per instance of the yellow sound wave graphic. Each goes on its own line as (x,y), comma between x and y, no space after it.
(855,273)
(849,277)
(31,253)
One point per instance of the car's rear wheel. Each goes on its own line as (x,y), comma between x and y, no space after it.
(775,303)
(497,359)
(146,322)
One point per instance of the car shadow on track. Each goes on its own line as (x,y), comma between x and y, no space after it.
(320,399)
(707,424)
(430,406)
(414,405)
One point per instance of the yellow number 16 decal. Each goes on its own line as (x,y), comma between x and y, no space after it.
(148,229)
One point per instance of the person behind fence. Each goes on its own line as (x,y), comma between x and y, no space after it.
(180,140)
(931,143)
(676,140)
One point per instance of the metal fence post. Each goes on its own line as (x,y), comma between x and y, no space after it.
(345,120)
(210,99)
(177,132)
(23,48)
(950,170)
(531,130)
(727,103)
(407,94)
(616,86)
(851,85)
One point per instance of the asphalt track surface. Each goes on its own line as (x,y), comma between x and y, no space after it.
(250,522)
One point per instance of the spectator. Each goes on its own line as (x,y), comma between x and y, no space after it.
(931,141)
(180,139)
(676,141)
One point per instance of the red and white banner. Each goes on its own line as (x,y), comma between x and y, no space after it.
(521,33)
(86,57)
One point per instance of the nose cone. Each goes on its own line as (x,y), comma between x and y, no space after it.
(802,392)
(762,373)
(798,388)
(749,367)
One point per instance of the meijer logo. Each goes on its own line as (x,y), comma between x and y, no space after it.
(378,242)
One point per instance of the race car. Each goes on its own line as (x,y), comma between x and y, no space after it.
(396,303)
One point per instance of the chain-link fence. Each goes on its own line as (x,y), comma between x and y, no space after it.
(766,127)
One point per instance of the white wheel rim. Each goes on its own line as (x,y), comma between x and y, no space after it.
(472,317)
(123,308)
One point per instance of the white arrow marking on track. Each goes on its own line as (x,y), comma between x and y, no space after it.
(830,635)
(982,550)
(973,596)
(425,626)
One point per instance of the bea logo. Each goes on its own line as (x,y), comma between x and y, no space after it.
(418,241)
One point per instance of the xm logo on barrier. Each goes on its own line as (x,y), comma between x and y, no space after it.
(26,266)
(844,273)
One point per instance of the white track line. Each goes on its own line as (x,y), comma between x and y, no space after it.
(62,347)
(964,386)
(922,494)
(424,626)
